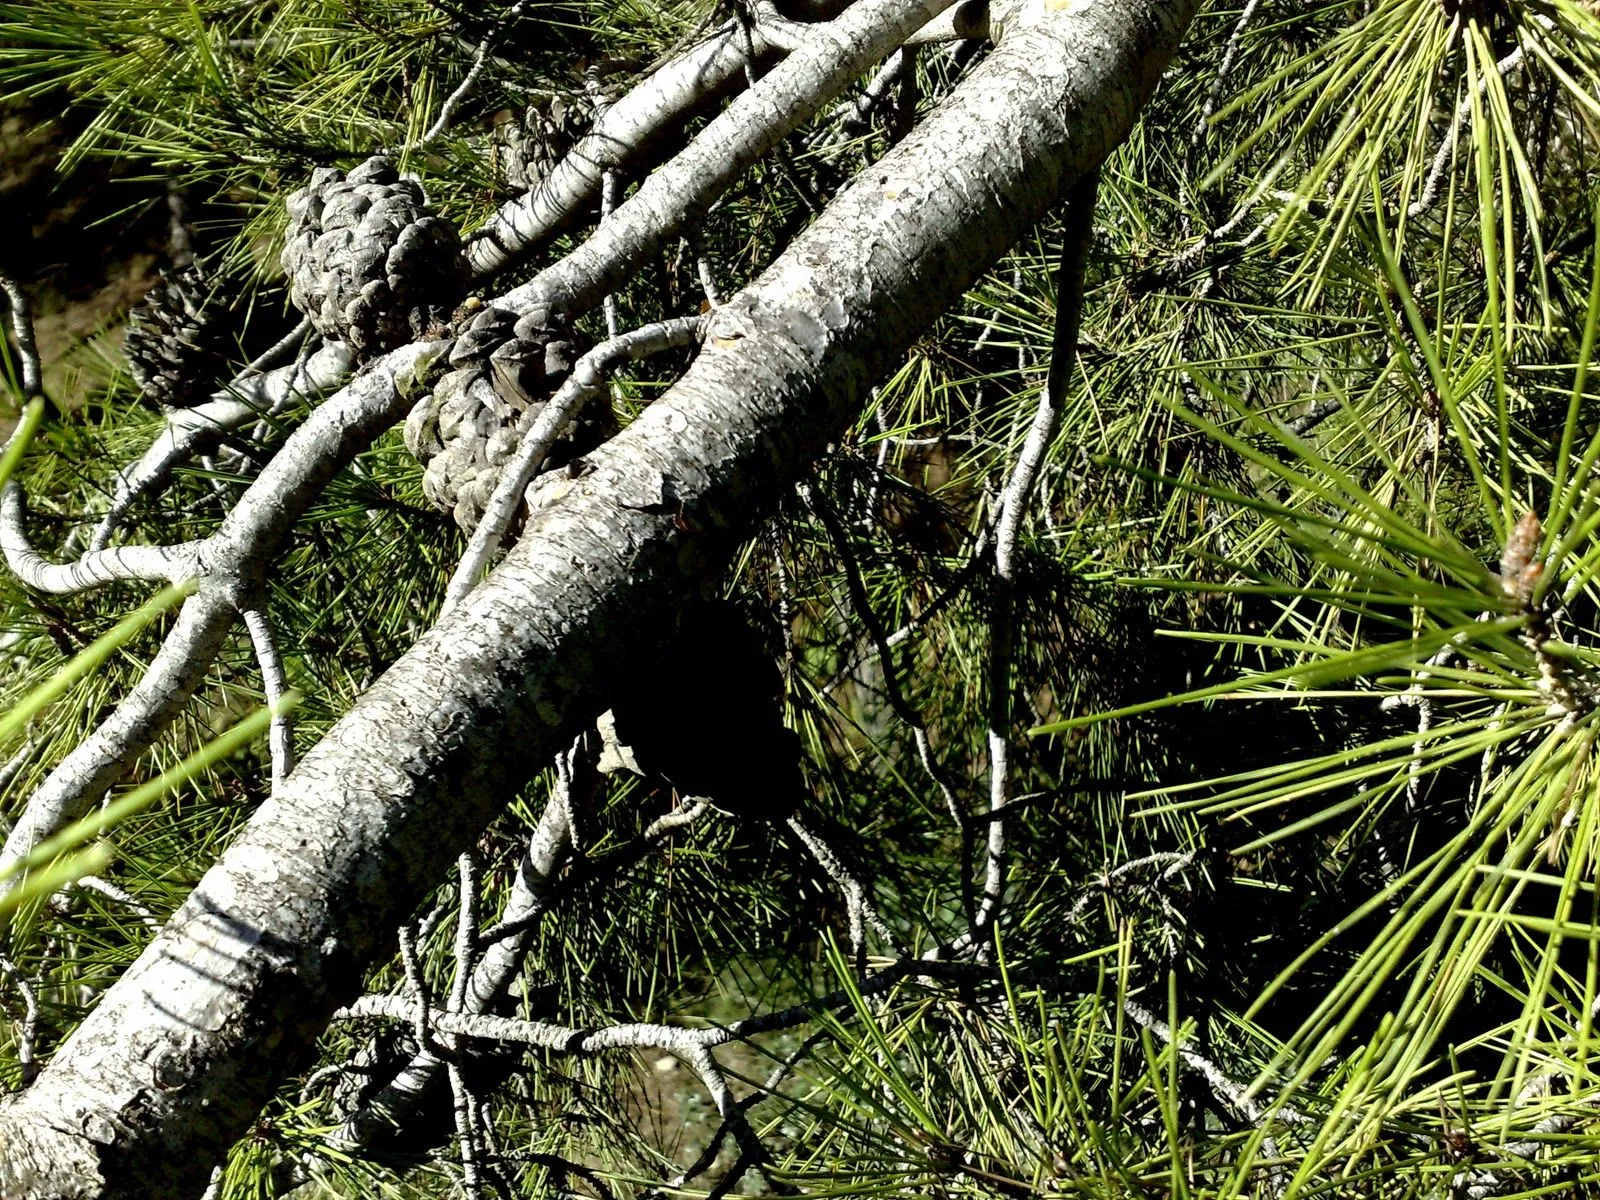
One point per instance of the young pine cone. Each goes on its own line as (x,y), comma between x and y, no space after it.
(470,426)
(367,261)
(177,340)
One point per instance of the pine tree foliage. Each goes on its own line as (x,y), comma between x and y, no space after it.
(1301,814)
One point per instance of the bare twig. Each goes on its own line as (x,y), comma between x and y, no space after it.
(1441,158)
(1171,862)
(271,356)
(187,430)
(857,899)
(463,1103)
(275,685)
(104,887)
(28,1030)
(1224,69)
(447,110)
(12,767)
(1013,502)
(418,986)
(1232,1093)
(670,1039)
(22,331)
(163,564)
(610,189)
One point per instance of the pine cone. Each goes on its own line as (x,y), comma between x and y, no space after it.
(527,149)
(706,715)
(470,426)
(367,261)
(178,339)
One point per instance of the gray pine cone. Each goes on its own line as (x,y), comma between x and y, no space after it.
(177,340)
(367,261)
(469,427)
(529,147)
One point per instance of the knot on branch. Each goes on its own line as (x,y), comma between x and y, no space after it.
(367,260)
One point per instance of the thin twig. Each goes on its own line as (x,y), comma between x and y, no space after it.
(669,1039)
(104,887)
(28,1033)
(275,685)
(463,1103)
(466,945)
(161,564)
(1441,158)
(270,357)
(610,188)
(418,986)
(22,331)
(1171,863)
(856,896)
(1235,1095)
(447,110)
(12,767)
(1224,69)
(466,1131)
(1079,225)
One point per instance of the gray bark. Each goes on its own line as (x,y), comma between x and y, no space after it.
(188,1046)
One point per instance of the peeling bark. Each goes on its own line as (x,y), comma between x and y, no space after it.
(186,1048)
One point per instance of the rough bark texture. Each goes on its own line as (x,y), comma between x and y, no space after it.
(185,1049)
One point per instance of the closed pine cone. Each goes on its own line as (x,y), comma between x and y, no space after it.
(367,261)
(178,339)
(469,427)
(528,148)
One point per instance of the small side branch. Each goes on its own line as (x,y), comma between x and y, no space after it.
(861,909)
(1013,503)
(447,110)
(275,684)
(22,330)
(161,564)
(28,1029)
(1437,170)
(1232,1093)
(253,394)
(669,95)
(1224,69)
